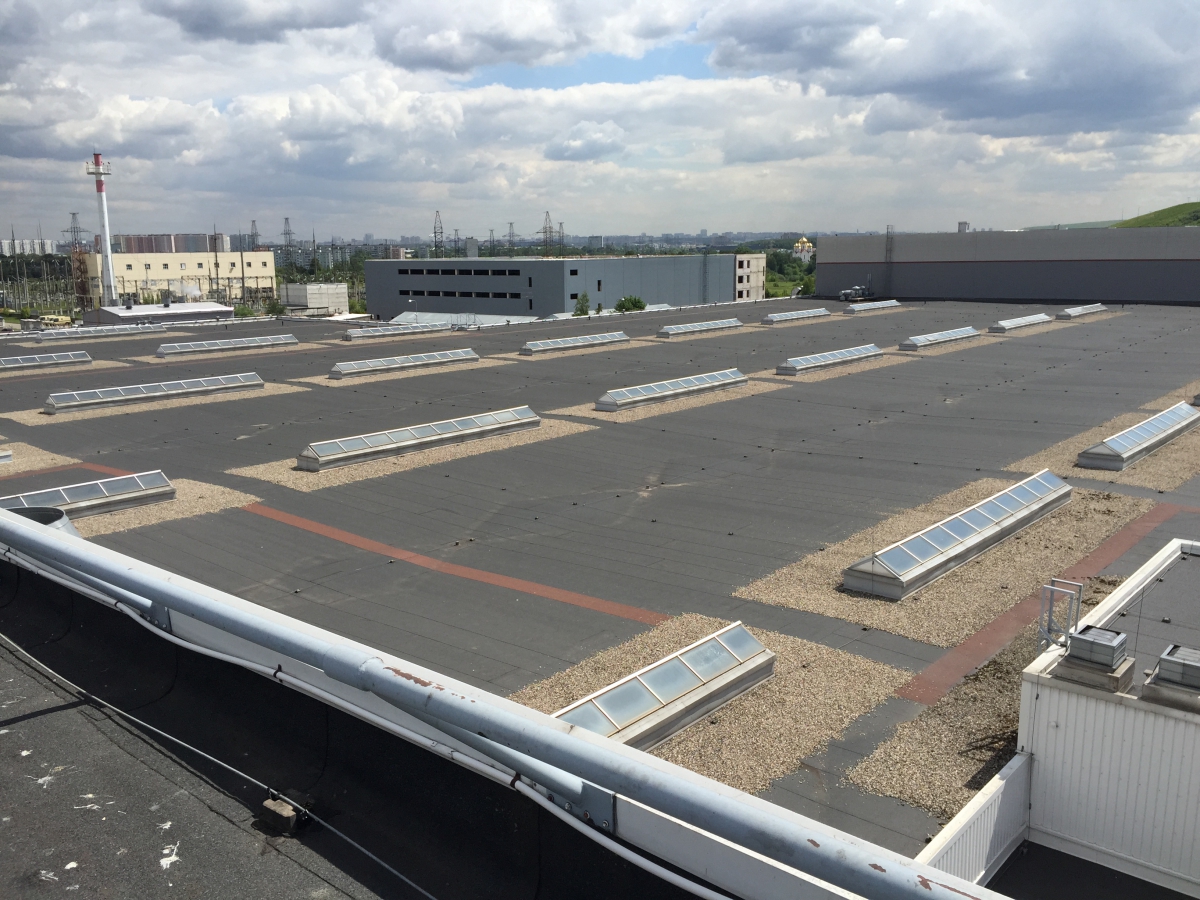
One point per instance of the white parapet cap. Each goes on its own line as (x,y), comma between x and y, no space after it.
(639,395)
(574,343)
(906,566)
(1075,312)
(383,331)
(693,327)
(265,342)
(776,318)
(675,691)
(400,363)
(75,357)
(1126,447)
(800,364)
(141,393)
(920,341)
(366,447)
(855,308)
(1005,325)
(91,498)
(95,331)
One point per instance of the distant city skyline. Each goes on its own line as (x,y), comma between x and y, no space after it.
(361,118)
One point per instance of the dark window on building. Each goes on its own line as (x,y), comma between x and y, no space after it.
(739,295)
(574,296)
(418,293)
(597,284)
(481,293)
(447,271)
(482,272)
(464,271)
(453,293)
(499,295)
(416,271)
(574,271)
(530,302)
(403,293)
(435,293)
(514,272)
(741,263)
(739,279)
(499,271)
(518,297)
(402,271)
(531,281)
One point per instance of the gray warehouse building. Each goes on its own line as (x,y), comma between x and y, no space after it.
(533,286)
(1087,265)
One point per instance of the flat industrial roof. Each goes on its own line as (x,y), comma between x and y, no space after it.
(504,567)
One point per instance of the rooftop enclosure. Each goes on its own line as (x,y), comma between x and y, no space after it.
(525,286)
(1108,265)
(316,299)
(905,567)
(149,313)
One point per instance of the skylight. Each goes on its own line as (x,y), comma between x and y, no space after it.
(247,343)
(1127,447)
(920,341)
(801,364)
(44,359)
(1006,325)
(855,308)
(1076,311)
(96,331)
(624,398)
(775,318)
(140,393)
(94,497)
(693,327)
(364,447)
(908,565)
(571,343)
(382,331)
(396,363)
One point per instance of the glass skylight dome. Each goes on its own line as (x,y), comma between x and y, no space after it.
(624,398)
(1127,447)
(572,343)
(397,363)
(140,393)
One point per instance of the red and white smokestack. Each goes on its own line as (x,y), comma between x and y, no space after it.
(99,168)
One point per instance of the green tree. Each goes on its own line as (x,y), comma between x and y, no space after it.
(629,304)
(581,305)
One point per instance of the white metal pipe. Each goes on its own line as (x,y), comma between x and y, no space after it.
(859,867)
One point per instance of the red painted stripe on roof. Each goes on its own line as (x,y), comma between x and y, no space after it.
(935,681)
(621,610)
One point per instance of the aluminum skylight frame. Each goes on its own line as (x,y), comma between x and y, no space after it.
(800,364)
(939,338)
(1124,448)
(1006,325)
(321,455)
(40,360)
(855,308)
(698,327)
(386,331)
(96,331)
(91,498)
(266,341)
(357,367)
(68,401)
(895,573)
(1075,312)
(661,391)
(644,709)
(574,343)
(776,318)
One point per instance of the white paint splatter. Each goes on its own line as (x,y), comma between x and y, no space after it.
(71,865)
(164,826)
(86,806)
(122,851)
(3,731)
(73,887)
(173,850)
(44,781)
(87,796)
(47,876)
(26,752)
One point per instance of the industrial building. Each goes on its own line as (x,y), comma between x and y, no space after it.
(1088,265)
(148,277)
(316,299)
(524,286)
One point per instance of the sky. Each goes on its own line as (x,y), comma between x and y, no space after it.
(355,116)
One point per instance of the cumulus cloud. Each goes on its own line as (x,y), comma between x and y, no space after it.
(588,140)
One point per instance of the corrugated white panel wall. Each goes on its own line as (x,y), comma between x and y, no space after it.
(976,842)
(1114,774)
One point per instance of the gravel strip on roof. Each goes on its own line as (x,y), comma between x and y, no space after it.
(939,760)
(192,498)
(951,609)
(588,410)
(1187,394)
(763,734)
(284,471)
(1163,470)
(26,457)
(37,417)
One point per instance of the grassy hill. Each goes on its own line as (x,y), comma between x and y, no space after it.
(1183,214)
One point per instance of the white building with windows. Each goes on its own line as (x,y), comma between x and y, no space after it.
(229,277)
